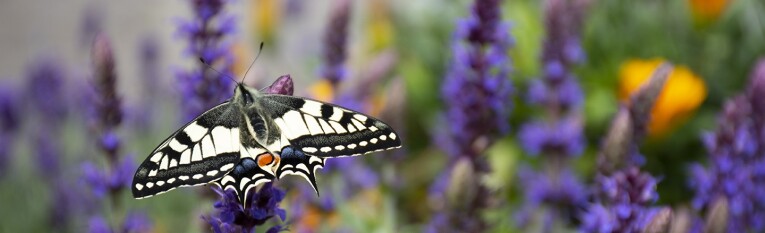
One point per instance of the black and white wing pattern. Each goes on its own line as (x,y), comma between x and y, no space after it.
(251,171)
(202,151)
(327,130)
(294,161)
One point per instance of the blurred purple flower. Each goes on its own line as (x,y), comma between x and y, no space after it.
(561,190)
(45,93)
(110,180)
(477,92)
(559,137)
(203,88)
(106,116)
(245,217)
(45,90)
(90,24)
(476,87)
(48,155)
(10,121)
(736,169)
(134,223)
(563,137)
(358,174)
(625,199)
(98,224)
(335,43)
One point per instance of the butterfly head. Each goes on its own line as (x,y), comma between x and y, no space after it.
(245,95)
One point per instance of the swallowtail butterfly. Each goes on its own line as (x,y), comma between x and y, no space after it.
(254,138)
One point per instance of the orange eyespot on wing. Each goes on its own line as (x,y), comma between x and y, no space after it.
(265,159)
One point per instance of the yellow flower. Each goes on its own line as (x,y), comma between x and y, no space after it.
(266,17)
(322,91)
(379,27)
(241,59)
(682,94)
(705,11)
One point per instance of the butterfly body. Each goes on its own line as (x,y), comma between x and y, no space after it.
(254,138)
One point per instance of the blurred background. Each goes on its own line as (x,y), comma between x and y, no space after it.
(507,110)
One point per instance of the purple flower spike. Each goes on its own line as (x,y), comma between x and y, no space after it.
(335,44)
(45,88)
(558,136)
(736,171)
(202,87)
(98,224)
(626,196)
(245,217)
(10,121)
(106,116)
(477,91)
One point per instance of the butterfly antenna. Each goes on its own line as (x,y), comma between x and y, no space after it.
(253,62)
(210,67)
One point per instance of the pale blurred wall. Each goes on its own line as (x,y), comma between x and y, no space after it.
(33,28)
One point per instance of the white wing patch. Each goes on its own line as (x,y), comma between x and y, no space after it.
(297,127)
(312,107)
(313,125)
(195,131)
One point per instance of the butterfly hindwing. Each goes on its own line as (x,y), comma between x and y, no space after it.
(327,130)
(202,151)
(249,172)
(296,162)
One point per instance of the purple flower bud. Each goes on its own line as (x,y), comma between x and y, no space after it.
(283,86)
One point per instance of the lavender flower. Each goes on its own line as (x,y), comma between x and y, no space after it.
(106,116)
(10,122)
(335,38)
(623,193)
(558,91)
(107,105)
(560,189)
(736,173)
(45,88)
(558,137)
(563,137)
(626,195)
(203,88)
(103,182)
(477,90)
(134,223)
(91,23)
(46,98)
(234,216)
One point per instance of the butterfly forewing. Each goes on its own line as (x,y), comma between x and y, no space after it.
(202,151)
(327,130)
